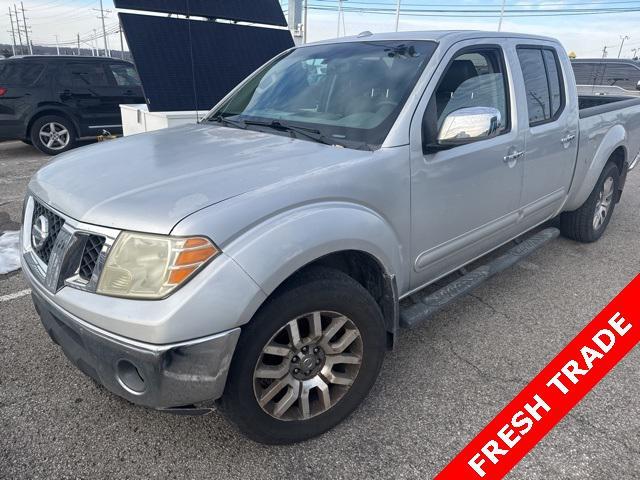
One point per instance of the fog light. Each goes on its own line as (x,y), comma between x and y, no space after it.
(129,377)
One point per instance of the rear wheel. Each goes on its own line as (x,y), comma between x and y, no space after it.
(306,360)
(53,134)
(588,223)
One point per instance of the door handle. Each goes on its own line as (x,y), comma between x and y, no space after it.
(568,138)
(513,156)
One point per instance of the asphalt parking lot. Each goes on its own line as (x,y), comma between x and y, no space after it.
(436,391)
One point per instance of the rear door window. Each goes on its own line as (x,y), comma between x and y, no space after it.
(23,74)
(124,75)
(543,83)
(555,80)
(535,82)
(84,75)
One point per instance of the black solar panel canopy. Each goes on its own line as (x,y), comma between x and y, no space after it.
(224,54)
(267,12)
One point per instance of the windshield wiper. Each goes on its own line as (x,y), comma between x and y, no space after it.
(311,133)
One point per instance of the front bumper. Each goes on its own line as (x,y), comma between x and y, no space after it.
(158,376)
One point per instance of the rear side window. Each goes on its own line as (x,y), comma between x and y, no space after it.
(587,73)
(20,74)
(543,83)
(125,75)
(84,75)
(621,75)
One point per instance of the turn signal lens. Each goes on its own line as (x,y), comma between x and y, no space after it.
(152,266)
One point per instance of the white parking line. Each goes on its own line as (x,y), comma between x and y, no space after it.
(13,296)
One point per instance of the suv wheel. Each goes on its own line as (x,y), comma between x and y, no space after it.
(53,134)
(306,360)
(588,223)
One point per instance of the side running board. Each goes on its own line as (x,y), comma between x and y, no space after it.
(427,305)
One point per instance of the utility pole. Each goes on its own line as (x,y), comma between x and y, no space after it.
(13,33)
(397,14)
(26,30)
(501,16)
(604,52)
(57,46)
(78,44)
(121,43)
(623,38)
(15,9)
(104,29)
(306,15)
(339,15)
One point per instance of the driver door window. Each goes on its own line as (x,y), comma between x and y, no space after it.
(474,79)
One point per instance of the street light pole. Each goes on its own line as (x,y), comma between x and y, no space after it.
(398,14)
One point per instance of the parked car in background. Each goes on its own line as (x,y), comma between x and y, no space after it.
(268,255)
(607,76)
(54,101)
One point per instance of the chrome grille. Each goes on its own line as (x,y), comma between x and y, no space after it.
(55,224)
(72,254)
(90,255)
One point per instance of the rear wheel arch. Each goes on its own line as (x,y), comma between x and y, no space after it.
(55,112)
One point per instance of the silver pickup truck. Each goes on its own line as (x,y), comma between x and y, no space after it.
(263,260)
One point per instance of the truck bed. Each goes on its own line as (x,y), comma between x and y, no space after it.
(590,105)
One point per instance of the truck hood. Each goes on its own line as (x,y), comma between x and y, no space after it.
(149,182)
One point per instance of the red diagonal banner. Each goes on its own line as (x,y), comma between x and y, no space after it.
(553,392)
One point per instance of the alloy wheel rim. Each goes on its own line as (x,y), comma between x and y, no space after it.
(54,136)
(603,205)
(308,366)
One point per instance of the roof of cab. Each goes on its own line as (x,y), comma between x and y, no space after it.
(451,36)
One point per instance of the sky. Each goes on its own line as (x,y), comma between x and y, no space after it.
(586,35)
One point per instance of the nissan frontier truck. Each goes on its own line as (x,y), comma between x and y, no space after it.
(263,260)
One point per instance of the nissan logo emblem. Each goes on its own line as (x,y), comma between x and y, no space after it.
(39,232)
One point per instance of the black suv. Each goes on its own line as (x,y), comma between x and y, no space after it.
(54,101)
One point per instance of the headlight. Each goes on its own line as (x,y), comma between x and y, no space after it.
(151,266)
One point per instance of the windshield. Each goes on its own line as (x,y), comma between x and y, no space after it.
(347,93)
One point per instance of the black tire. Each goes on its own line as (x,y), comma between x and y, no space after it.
(316,290)
(580,225)
(66,141)
(27,142)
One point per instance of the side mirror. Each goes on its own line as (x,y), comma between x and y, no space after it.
(468,125)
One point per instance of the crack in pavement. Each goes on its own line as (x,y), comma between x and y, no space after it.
(478,370)
(605,433)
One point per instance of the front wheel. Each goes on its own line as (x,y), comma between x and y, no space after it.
(588,223)
(306,360)
(53,134)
